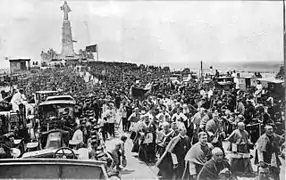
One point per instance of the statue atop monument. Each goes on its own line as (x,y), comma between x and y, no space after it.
(66,9)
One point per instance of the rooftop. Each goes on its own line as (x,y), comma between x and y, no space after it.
(20,59)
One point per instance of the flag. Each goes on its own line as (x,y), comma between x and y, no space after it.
(91,48)
(139,93)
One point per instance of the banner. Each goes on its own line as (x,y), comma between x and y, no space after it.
(91,48)
(139,92)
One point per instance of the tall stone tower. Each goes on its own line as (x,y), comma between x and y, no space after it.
(67,41)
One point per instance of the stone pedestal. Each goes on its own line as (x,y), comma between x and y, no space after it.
(67,43)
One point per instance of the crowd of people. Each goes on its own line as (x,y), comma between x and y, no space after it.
(180,127)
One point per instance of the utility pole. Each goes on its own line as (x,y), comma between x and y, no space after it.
(87,32)
(284,33)
(97,51)
(201,70)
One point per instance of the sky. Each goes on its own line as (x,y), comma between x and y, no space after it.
(175,33)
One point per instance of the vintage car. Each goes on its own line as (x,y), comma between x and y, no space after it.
(55,109)
(52,168)
(57,160)
(42,95)
(60,97)
(54,139)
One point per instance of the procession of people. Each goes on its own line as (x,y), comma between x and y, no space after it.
(181,128)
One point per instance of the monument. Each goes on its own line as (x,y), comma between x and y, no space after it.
(67,54)
(67,41)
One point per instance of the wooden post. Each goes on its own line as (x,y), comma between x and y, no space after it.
(201,70)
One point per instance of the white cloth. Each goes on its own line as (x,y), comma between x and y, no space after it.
(203,93)
(78,136)
(236,81)
(123,112)
(259,87)
(150,116)
(148,138)
(16,100)
(210,93)
(101,122)
(83,153)
(181,125)
(110,115)
(163,117)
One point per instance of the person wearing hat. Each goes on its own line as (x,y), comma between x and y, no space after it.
(240,108)
(172,162)
(163,116)
(240,151)
(179,116)
(7,145)
(230,121)
(268,147)
(17,99)
(198,155)
(93,145)
(163,137)
(196,119)
(115,154)
(207,116)
(133,119)
(123,110)
(213,167)
(215,131)
(147,146)
(110,116)
(249,111)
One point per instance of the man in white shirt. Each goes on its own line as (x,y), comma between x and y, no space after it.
(150,115)
(167,102)
(163,116)
(236,81)
(210,93)
(123,110)
(203,93)
(258,91)
(78,135)
(179,118)
(196,120)
(110,115)
(176,116)
(18,99)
